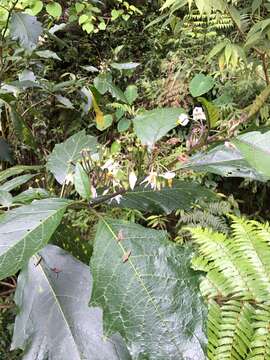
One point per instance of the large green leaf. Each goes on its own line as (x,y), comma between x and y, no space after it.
(26,29)
(62,160)
(103,82)
(16,170)
(225,161)
(152,125)
(147,291)
(200,85)
(255,148)
(16,182)
(182,195)
(54,320)
(25,230)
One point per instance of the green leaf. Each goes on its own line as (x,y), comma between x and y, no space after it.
(131,94)
(117,93)
(54,9)
(103,82)
(236,16)
(82,182)
(27,196)
(152,125)
(62,160)
(25,230)
(5,198)
(16,182)
(36,7)
(64,101)
(26,29)
(125,66)
(22,130)
(16,170)
(182,195)
(135,279)
(255,148)
(217,49)
(211,110)
(225,161)
(123,125)
(48,54)
(54,316)
(200,85)
(256,5)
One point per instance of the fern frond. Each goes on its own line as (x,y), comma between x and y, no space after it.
(237,288)
(230,330)
(224,272)
(260,344)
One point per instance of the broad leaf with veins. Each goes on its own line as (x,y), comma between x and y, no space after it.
(181,195)
(25,230)
(55,321)
(62,160)
(148,292)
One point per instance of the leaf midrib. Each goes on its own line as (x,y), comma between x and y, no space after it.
(54,295)
(140,280)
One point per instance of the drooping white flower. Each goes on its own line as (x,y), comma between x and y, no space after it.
(183,120)
(132,180)
(117,198)
(198,114)
(168,175)
(69,179)
(151,180)
(94,192)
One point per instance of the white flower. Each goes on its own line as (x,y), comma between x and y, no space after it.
(69,179)
(132,180)
(168,175)
(198,114)
(108,165)
(117,198)
(183,120)
(229,145)
(151,180)
(94,192)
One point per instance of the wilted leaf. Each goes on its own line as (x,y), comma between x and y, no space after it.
(62,160)
(26,29)
(54,318)
(25,230)
(148,292)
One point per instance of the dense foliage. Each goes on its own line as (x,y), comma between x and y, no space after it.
(134,179)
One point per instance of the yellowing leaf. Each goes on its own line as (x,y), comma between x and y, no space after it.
(99,113)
